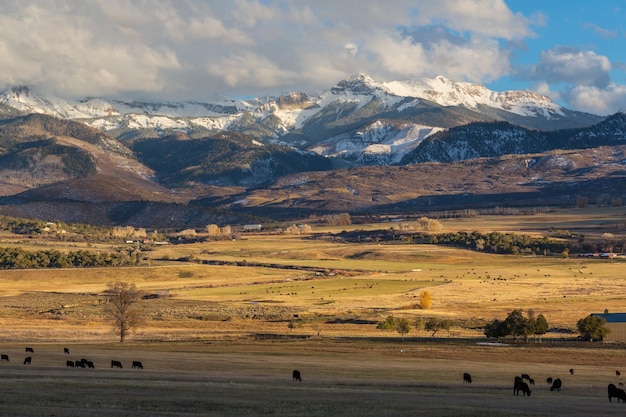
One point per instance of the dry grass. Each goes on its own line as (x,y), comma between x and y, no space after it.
(219,344)
(359,285)
(355,377)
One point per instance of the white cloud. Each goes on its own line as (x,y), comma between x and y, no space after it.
(193,48)
(602,101)
(574,67)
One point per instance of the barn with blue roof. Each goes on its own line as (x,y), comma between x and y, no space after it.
(617,323)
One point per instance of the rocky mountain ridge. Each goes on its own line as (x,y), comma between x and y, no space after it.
(337,122)
(362,147)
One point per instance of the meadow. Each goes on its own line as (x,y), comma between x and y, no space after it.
(223,339)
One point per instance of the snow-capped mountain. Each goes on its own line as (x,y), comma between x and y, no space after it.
(361,120)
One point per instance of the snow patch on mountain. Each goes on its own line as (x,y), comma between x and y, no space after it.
(454,93)
(386,141)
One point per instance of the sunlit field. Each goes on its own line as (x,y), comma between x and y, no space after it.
(232,318)
(325,286)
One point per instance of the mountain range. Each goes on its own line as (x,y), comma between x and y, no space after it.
(116,161)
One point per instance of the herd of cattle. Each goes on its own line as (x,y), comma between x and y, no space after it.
(519,384)
(82,363)
(555,385)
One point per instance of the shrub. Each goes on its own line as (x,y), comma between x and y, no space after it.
(425,300)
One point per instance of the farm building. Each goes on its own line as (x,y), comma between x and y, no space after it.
(252,227)
(617,323)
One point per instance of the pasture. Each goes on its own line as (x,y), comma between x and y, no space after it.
(309,285)
(355,377)
(223,339)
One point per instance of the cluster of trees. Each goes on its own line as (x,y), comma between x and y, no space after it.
(423,223)
(403,326)
(429,225)
(215,230)
(298,229)
(341,219)
(21,226)
(517,325)
(74,231)
(18,258)
(494,242)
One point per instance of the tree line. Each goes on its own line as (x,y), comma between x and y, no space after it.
(495,242)
(18,258)
(516,324)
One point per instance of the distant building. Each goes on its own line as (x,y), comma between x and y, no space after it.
(617,323)
(252,227)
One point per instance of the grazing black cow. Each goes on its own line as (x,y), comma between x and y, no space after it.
(137,364)
(116,364)
(618,393)
(69,364)
(618,374)
(66,351)
(556,385)
(29,349)
(467,378)
(520,385)
(525,376)
(90,365)
(79,364)
(571,371)
(296,375)
(27,360)
(549,380)
(4,358)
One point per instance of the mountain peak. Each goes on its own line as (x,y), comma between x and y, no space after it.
(362,77)
(358,84)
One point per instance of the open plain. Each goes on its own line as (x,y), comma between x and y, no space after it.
(230,319)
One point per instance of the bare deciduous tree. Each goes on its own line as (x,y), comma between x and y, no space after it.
(119,307)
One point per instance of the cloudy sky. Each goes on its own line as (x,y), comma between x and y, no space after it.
(191,49)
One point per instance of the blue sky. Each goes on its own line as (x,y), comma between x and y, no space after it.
(192,49)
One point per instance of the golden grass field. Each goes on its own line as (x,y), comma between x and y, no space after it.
(217,342)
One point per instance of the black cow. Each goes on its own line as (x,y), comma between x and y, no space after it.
(29,349)
(79,364)
(556,385)
(4,358)
(137,364)
(549,380)
(296,375)
(520,385)
(525,376)
(467,378)
(66,351)
(69,364)
(571,371)
(618,393)
(27,360)
(116,364)
(90,365)
(618,374)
